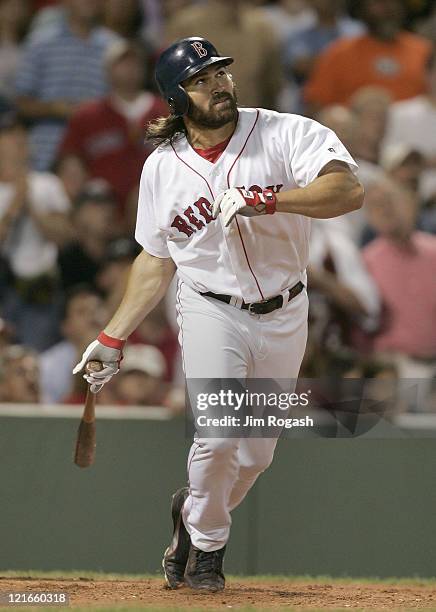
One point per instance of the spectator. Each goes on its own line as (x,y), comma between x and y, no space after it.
(412,123)
(346,124)
(344,299)
(95,225)
(73,175)
(303,47)
(387,57)
(404,164)
(140,381)
(107,135)
(126,18)
(14,20)
(83,316)
(19,375)
(112,277)
(402,262)
(370,105)
(337,270)
(240,31)
(58,71)
(34,223)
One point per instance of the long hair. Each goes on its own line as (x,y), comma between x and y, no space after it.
(165,130)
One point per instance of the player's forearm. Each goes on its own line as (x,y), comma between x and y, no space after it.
(148,282)
(330,195)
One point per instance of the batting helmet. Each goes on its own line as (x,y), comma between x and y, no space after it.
(182,60)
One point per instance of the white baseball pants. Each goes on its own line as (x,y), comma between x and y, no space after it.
(221,341)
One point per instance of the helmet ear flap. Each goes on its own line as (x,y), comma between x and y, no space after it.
(178,101)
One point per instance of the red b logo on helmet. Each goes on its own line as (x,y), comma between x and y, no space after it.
(198,47)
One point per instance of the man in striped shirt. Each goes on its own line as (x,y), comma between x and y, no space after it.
(60,69)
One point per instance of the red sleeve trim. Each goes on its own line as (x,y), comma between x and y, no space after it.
(114,343)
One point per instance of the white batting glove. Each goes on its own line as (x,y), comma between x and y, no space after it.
(109,352)
(242,202)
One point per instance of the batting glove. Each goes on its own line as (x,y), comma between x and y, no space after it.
(247,203)
(109,352)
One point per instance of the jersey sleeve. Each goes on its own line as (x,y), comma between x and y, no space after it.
(147,233)
(312,146)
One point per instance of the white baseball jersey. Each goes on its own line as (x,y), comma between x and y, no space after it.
(255,258)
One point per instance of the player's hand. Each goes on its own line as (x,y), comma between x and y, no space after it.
(247,203)
(107,350)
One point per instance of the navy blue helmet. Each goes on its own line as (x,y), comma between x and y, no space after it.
(180,61)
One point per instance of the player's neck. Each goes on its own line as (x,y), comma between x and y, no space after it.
(204,138)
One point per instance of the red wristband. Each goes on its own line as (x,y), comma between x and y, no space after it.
(114,343)
(270,201)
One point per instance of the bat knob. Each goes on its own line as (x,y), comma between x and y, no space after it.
(93,366)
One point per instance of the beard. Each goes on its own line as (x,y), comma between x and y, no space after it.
(216,116)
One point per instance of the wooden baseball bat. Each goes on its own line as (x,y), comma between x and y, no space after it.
(86,434)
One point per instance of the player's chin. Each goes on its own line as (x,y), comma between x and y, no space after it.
(225,114)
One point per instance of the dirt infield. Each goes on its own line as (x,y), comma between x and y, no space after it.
(248,593)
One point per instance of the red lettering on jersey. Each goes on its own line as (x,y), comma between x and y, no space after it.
(204,208)
(275,188)
(180,224)
(189,214)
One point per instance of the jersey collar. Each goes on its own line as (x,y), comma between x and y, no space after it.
(246,122)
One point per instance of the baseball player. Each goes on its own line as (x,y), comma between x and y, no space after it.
(226,200)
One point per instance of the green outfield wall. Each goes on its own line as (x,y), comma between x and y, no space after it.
(360,507)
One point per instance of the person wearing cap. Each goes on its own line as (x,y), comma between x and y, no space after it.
(107,134)
(141,381)
(404,164)
(34,224)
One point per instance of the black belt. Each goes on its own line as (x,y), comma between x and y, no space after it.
(263,307)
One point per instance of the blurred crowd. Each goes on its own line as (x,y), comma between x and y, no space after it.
(76,92)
